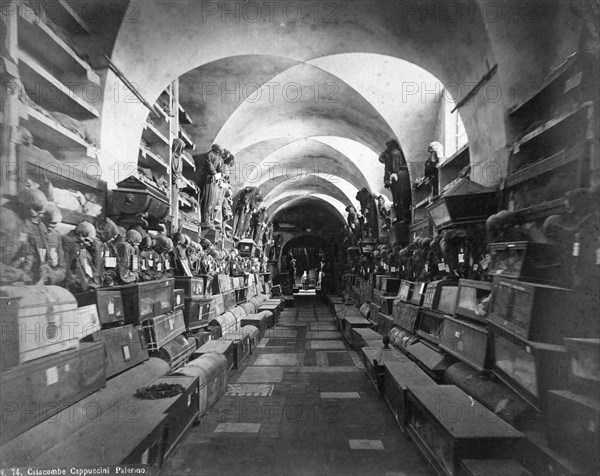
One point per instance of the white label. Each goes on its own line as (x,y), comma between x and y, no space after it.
(110,262)
(457,334)
(144,268)
(151,263)
(178,300)
(135,263)
(528,349)
(576,249)
(111,306)
(441,266)
(42,253)
(67,367)
(23,237)
(422,288)
(126,353)
(171,324)
(51,375)
(475,267)
(447,268)
(88,269)
(426,268)
(189,399)
(167,265)
(393,269)
(159,266)
(511,206)
(598,257)
(461,258)
(145,456)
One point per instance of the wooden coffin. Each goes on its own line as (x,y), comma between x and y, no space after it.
(46,323)
(182,413)
(178,299)
(229,300)
(405,315)
(226,322)
(529,368)
(527,261)
(201,337)
(241,346)
(134,196)
(257,320)
(432,361)
(192,286)
(253,335)
(177,351)
(466,341)
(375,359)
(147,299)
(430,325)
(389,285)
(218,304)
(536,312)
(36,390)
(584,358)
(385,323)
(9,350)
(109,302)
(492,467)
(473,299)
(124,349)
(447,426)
(362,337)
(572,427)
(433,292)
(224,347)
(198,312)
(160,330)
(221,284)
(211,370)
(401,339)
(397,380)
(241,295)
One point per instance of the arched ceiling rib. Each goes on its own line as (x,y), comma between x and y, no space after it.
(291,199)
(340,190)
(300,158)
(454,52)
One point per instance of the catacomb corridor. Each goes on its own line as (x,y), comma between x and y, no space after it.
(300,237)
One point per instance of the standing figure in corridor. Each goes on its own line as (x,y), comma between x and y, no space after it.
(397,180)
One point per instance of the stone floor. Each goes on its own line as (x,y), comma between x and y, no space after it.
(301,404)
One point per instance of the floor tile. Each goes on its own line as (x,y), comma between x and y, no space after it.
(249,390)
(366,444)
(340,395)
(325,344)
(237,428)
(261,374)
(277,359)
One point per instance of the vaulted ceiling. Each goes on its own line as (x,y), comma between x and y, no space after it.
(306,100)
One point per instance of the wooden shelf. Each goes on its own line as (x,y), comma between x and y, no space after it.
(153,136)
(188,161)
(542,210)
(67,18)
(184,117)
(550,124)
(457,158)
(38,39)
(555,74)
(51,132)
(43,164)
(40,85)
(187,139)
(149,159)
(559,159)
(73,218)
(159,113)
(422,203)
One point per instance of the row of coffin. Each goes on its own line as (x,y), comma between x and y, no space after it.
(80,411)
(570,420)
(53,354)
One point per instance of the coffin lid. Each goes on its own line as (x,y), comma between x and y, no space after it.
(468,187)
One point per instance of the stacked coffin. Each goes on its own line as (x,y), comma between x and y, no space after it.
(383,297)
(51,355)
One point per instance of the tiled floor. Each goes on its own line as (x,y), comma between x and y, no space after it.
(299,405)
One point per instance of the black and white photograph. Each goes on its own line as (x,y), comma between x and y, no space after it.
(300,237)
